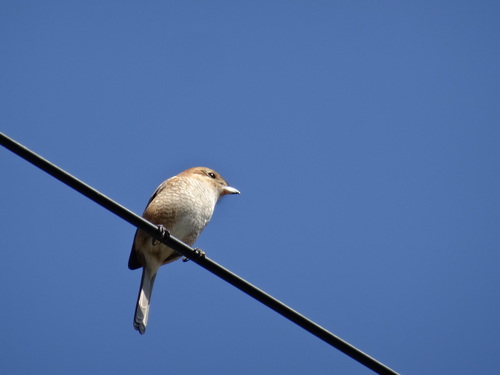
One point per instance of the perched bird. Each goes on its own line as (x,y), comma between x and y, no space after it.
(183,205)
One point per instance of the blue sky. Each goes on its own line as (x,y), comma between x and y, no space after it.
(363,135)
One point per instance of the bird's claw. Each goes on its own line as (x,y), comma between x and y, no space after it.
(163,233)
(198,254)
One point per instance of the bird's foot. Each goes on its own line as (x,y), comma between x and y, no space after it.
(163,233)
(198,254)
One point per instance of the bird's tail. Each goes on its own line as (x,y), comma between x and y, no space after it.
(143,300)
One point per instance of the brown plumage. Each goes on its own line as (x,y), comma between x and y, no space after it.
(183,204)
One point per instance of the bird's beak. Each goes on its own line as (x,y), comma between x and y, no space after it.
(229,190)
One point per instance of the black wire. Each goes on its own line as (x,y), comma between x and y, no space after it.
(194,255)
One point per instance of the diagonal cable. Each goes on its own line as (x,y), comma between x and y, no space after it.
(194,255)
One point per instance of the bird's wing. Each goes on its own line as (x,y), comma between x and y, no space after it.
(134,261)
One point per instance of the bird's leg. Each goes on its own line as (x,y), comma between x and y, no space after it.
(198,254)
(163,233)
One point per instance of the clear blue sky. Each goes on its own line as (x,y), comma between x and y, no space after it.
(363,135)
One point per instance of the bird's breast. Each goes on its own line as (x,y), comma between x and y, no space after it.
(184,207)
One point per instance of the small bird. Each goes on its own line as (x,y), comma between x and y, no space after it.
(183,205)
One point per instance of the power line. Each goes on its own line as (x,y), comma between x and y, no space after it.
(194,255)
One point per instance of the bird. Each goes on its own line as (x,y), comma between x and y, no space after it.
(183,205)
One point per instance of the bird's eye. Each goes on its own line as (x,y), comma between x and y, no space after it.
(211,174)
